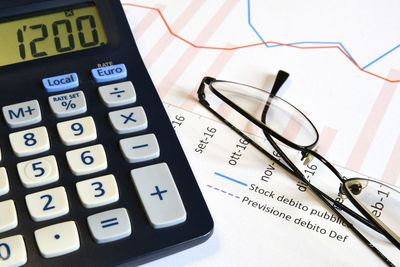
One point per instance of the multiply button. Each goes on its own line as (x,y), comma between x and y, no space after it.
(159,195)
(128,120)
(22,114)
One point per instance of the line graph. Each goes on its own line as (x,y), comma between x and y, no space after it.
(272,44)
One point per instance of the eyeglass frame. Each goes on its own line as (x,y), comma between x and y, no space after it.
(305,151)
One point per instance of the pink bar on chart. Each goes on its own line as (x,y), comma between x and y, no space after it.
(392,170)
(167,38)
(216,68)
(371,125)
(188,56)
(146,22)
(326,139)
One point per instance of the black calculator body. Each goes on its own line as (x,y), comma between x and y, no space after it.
(91,171)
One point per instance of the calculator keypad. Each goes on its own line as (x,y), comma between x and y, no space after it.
(155,184)
(57,239)
(47,204)
(30,142)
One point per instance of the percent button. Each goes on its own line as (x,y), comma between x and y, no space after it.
(68,104)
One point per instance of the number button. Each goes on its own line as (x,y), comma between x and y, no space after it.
(12,251)
(8,218)
(30,142)
(58,239)
(38,172)
(78,131)
(98,191)
(87,160)
(4,185)
(47,204)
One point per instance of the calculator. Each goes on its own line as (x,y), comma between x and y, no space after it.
(91,171)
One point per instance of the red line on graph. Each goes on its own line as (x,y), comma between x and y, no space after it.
(146,22)
(257,44)
(189,55)
(162,44)
(216,68)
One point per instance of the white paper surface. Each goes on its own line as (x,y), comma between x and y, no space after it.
(344,67)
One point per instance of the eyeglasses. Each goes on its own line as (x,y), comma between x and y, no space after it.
(371,202)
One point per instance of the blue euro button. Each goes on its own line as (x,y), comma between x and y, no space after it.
(61,82)
(109,73)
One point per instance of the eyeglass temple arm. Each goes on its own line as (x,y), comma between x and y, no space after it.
(200,92)
(280,79)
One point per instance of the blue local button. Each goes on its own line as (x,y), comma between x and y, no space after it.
(109,73)
(61,82)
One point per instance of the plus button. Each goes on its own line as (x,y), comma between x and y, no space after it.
(159,193)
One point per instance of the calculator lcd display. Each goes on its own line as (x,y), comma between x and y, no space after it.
(51,33)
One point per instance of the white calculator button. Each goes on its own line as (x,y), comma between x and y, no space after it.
(159,195)
(87,160)
(4,184)
(47,204)
(140,148)
(57,239)
(8,218)
(38,172)
(109,226)
(98,191)
(118,94)
(22,114)
(128,120)
(12,251)
(30,142)
(68,104)
(77,131)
